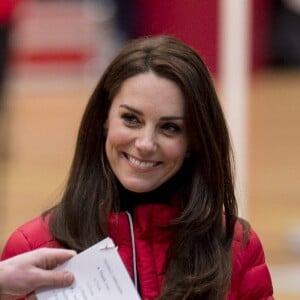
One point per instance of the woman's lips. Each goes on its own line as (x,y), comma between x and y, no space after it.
(141,164)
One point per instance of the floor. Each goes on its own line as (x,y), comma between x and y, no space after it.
(42,119)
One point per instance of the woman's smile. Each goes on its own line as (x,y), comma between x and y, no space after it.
(143,165)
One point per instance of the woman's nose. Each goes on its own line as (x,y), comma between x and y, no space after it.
(146,142)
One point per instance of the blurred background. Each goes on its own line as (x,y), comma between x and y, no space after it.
(53,53)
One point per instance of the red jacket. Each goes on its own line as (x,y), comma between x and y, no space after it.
(7,8)
(250,279)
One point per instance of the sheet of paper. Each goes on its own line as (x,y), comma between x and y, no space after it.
(99,274)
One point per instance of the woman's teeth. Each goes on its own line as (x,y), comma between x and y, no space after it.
(140,164)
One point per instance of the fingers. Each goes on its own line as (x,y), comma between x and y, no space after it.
(50,258)
(53,258)
(47,259)
(32,270)
(67,278)
(54,278)
(31,297)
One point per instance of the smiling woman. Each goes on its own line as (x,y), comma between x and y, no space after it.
(146,142)
(153,170)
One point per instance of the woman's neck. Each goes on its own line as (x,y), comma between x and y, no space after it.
(161,195)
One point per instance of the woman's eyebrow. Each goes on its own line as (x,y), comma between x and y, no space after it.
(132,109)
(138,112)
(169,118)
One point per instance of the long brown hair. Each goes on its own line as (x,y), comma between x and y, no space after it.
(199,262)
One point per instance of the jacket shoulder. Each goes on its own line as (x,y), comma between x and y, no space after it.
(251,277)
(31,235)
(246,245)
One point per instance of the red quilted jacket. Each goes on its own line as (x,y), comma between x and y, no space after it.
(7,8)
(250,279)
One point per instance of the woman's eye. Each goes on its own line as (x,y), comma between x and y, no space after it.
(171,128)
(130,119)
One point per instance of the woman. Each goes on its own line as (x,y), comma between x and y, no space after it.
(153,170)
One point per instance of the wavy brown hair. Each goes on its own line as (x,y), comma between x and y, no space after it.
(199,263)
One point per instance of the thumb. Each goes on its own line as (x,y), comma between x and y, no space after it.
(55,278)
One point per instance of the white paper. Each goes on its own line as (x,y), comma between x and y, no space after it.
(99,274)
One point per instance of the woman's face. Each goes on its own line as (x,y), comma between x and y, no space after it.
(146,140)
